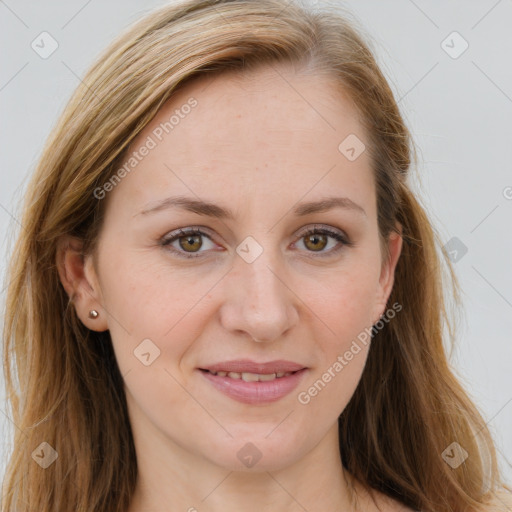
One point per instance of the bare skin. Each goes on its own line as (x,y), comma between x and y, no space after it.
(259,145)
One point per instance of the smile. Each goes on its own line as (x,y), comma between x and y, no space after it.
(254,388)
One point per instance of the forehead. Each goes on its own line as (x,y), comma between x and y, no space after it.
(250,132)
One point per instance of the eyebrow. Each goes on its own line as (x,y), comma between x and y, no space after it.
(213,210)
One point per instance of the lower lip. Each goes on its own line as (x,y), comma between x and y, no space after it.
(255,392)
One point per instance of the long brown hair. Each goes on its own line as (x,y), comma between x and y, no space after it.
(63,382)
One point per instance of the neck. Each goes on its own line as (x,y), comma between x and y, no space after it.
(170,478)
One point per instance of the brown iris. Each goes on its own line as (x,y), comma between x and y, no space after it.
(318,241)
(191,242)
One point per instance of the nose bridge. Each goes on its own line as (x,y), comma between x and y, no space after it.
(260,303)
(263,283)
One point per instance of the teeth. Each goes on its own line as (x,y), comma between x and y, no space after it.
(252,377)
(271,376)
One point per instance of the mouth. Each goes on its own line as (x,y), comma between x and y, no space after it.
(254,388)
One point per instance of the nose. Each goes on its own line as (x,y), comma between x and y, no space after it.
(259,303)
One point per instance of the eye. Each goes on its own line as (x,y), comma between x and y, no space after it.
(186,243)
(317,239)
(189,242)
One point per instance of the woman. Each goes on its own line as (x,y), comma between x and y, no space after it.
(225,295)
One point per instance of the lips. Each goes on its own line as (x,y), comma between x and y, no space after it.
(254,383)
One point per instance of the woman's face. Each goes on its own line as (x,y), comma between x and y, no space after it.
(253,284)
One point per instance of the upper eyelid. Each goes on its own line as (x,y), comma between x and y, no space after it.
(207,231)
(204,231)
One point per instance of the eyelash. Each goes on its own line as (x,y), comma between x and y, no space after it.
(181,233)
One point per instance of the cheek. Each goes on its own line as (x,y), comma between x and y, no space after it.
(152,310)
(343,308)
(153,322)
(325,396)
(345,303)
(342,349)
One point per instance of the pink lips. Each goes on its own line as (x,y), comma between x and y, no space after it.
(259,392)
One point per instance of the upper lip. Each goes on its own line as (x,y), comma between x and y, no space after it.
(248,366)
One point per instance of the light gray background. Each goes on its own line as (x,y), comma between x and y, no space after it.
(458,109)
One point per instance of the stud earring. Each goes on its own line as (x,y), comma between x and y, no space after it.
(93,314)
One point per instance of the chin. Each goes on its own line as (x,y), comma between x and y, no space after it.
(254,454)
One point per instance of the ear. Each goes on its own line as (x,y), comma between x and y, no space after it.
(387,274)
(79,279)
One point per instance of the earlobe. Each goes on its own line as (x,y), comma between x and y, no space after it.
(78,278)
